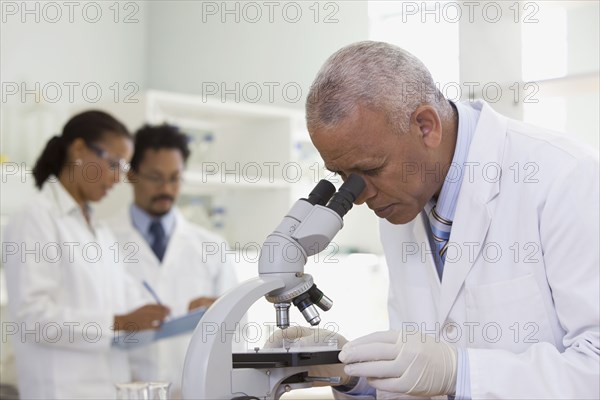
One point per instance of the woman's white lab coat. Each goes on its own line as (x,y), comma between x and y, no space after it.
(64,289)
(521,282)
(194,265)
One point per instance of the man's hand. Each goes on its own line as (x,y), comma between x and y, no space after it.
(201,302)
(409,363)
(299,336)
(146,317)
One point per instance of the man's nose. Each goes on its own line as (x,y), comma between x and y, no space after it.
(168,187)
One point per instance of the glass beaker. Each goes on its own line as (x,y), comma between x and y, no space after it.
(143,391)
(158,390)
(132,391)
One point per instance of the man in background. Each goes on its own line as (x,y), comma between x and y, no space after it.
(169,249)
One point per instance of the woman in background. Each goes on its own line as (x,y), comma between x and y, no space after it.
(67,290)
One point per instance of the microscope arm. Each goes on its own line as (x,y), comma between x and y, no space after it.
(208,368)
(208,371)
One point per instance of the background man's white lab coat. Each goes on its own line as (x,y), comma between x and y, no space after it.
(520,285)
(64,289)
(193,266)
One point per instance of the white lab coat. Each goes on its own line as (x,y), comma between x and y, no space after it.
(523,293)
(64,289)
(194,265)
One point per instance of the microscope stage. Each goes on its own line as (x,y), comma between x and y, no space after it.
(284,359)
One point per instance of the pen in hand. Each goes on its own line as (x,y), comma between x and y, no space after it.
(154,296)
(152,293)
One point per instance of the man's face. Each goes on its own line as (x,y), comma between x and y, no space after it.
(393,165)
(156,183)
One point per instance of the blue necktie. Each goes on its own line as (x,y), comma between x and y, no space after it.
(159,243)
(440,229)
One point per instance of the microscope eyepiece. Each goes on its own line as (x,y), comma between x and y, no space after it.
(341,202)
(321,193)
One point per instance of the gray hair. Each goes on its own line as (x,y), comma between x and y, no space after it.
(376,75)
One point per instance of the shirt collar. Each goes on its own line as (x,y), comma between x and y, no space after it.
(141,220)
(63,200)
(467,122)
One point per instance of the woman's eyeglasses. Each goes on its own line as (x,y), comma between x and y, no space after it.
(113,163)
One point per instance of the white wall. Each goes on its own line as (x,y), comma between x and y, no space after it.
(56,51)
(584,37)
(490,56)
(191,48)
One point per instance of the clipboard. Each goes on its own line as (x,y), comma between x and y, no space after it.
(169,328)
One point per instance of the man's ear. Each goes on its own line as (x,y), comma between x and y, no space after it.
(429,125)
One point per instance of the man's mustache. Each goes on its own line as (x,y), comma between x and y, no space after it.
(162,197)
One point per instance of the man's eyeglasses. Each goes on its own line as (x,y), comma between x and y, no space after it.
(158,180)
(113,163)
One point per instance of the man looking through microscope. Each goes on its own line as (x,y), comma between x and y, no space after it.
(374,110)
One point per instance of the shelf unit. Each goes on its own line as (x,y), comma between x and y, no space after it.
(249,172)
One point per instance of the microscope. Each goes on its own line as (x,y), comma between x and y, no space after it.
(211,369)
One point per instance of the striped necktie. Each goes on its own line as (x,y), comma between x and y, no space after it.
(440,230)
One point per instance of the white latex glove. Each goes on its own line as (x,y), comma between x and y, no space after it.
(413,363)
(300,336)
